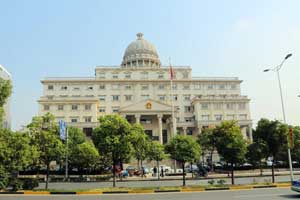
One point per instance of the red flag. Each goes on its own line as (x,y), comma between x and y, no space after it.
(171,73)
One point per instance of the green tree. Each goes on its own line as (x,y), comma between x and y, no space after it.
(156,152)
(140,142)
(274,135)
(207,140)
(5,92)
(231,145)
(256,152)
(45,137)
(112,139)
(183,149)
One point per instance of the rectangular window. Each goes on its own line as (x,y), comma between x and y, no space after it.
(175,97)
(127,87)
(189,119)
(115,86)
(204,106)
(146,121)
(187,97)
(161,97)
(87,119)
(218,117)
(145,97)
(210,87)
(74,120)
(127,76)
(102,109)
(174,87)
(186,87)
(64,87)
(218,106)
(221,87)
(87,106)
(205,117)
(50,87)
(188,109)
(101,75)
(243,117)
(230,106)
(46,107)
(89,88)
(160,76)
(242,106)
(144,75)
(230,117)
(76,88)
(60,107)
(197,87)
(102,87)
(74,107)
(189,131)
(102,98)
(144,87)
(161,87)
(233,87)
(115,97)
(115,109)
(115,76)
(128,97)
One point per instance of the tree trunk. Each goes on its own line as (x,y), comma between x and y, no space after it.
(47,176)
(232,174)
(138,164)
(273,175)
(114,174)
(211,162)
(158,170)
(183,174)
(261,169)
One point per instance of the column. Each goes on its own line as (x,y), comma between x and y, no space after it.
(184,130)
(250,133)
(159,117)
(137,118)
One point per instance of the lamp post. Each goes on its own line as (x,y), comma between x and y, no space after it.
(276,69)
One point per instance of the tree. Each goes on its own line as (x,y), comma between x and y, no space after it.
(156,152)
(183,149)
(231,145)
(140,142)
(257,151)
(112,138)
(5,92)
(274,135)
(207,141)
(45,137)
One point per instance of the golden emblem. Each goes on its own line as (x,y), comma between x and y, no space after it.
(148,105)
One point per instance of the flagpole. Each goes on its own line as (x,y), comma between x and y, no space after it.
(67,155)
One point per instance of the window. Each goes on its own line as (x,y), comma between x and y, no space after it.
(102,98)
(102,87)
(185,75)
(115,76)
(210,87)
(76,95)
(115,97)
(174,87)
(230,117)
(187,97)
(60,107)
(160,76)
(74,107)
(218,106)
(102,109)
(89,88)
(74,120)
(189,119)
(218,117)
(188,109)
(128,97)
(242,106)
(115,109)
(127,87)
(64,87)
(204,106)
(63,96)
(50,96)
(186,87)
(144,75)
(221,87)
(50,87)
(87,119)
(145,96)
(197,87)
(189,131)
(175,97)
(127,76)
(146,121)
(243,117)
(115,86)
(161,87)
(76,88)
(161,97)
(46,107)
(233,86)
(87,106)
(89,95)
(205,117)
(145,87)
(101,75)
(230,106)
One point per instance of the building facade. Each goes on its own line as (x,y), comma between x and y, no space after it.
(140,90)
(4,74)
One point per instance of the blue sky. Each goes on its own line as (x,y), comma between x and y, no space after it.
(216,38)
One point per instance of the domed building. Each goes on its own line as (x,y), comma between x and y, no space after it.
(142,90)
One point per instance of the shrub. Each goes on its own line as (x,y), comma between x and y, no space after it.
(221,182)
(30,183)
(16,184)
(211,182)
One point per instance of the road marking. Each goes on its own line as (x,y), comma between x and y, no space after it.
(256,195)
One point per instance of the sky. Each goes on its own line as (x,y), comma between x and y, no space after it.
(232,38)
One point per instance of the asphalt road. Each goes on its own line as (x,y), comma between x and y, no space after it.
(261,194)
(93,185)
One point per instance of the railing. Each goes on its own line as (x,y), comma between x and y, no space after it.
(68,78)
(215,78)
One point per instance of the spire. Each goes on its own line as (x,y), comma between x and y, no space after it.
(139,36)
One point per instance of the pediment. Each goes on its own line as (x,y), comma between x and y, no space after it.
(147,106)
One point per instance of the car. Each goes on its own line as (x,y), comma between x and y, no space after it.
(295,186)
(191,168)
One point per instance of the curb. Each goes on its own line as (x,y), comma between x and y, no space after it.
(149,191)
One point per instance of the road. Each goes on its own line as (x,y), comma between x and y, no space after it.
(93,185)
(261,194)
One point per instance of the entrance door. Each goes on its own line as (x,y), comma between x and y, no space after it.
(165,136)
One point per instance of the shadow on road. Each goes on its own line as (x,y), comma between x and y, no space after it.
(291,196)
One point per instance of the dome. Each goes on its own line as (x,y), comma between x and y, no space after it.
(140,53)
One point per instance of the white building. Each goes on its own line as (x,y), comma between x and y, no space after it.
(139,89)
(4,74)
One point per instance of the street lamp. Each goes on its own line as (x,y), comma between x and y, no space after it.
(276,69)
